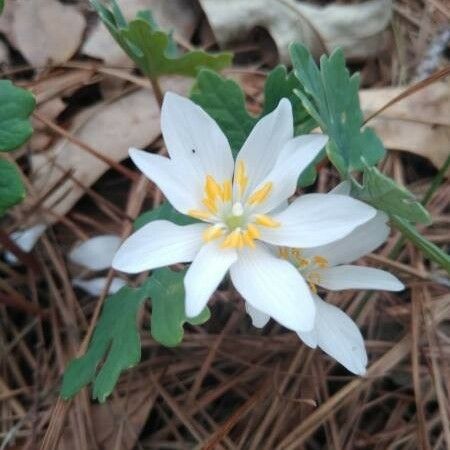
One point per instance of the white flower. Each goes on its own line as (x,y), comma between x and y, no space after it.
(327,266)
(239,205)
(25,240)
(95,286)
(96,253)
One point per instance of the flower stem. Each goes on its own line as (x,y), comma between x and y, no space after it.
(157,90)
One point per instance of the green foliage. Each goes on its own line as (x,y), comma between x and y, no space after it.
(430,250)
(224,101)
(165,211)
(153,50)
(2,5)
(281,84)
(166,290)
(12,190)
(115,342)
(385,194)
(16,105)
(331,97)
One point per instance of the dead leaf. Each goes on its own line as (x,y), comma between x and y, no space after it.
(418,124)
(357,28)
(46,31)
(177,15)
(111,128)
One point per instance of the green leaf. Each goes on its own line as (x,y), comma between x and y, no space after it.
(331,97)
(279,84)
(152,49)
(384,193)
(2,5)
(165,211)
(115,342)
(166,290)
(12,190)
(224,101)
(16,105)
(430,250)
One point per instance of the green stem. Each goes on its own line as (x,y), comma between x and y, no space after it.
(437,181)
(430,250)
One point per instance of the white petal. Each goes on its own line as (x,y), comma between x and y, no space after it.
(193,137)
(295,157)
(361,241)
(317,219)
(96,253)
(95,286)
(358,277)
(343,188)
(180,184)
(338,336)
(309,337)
(265,142)
(204,275)
(25,240)
(259,319)
(158,244)
(274,287)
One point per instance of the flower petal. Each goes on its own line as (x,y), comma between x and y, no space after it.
(361,241)
(265,142)
(95,286)
(182,186)
(25,240)
(358,277)
(343,188)
(294,158)
(317,219)
(204,275)
(193,137)
(274,287)
(339,337)
(158,244)
(96,253)
(259,319)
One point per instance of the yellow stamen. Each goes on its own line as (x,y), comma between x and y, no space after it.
(212,188)
(266,221)
(233,239)
(241,176)
(313,287)
(247,239)
(303,263)
(197,214)
(313,279)
(283,253)
(261,194)
(211,233)
(226,191)
(320,261)
(296,253)
(252,231)
(210,205)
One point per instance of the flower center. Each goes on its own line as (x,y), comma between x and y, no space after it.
(231,211)
(308,267)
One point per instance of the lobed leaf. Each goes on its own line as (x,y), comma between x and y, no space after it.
(166,289)
(12,189)
(384,193)
(115,346)
(224,101)
(331,98)
(152,49)
(16,105)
